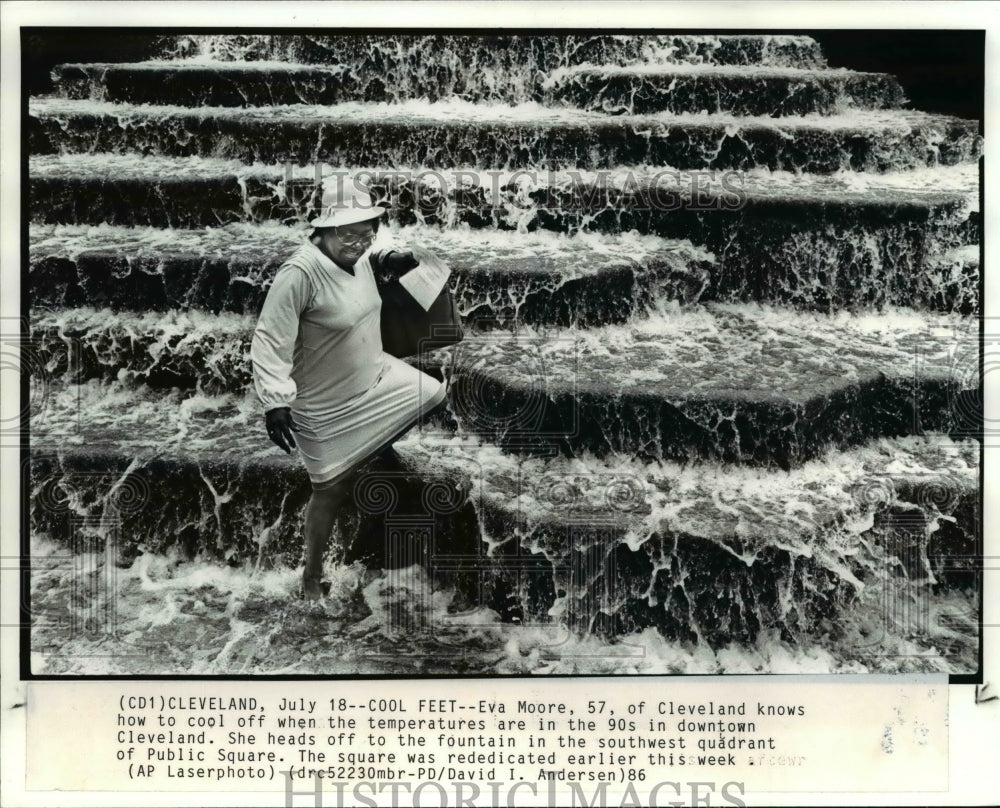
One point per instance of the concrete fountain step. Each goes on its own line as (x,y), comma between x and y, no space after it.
(842,241)
(717,554)
(958,262)
(630,89)
(199,475)
(770,91)
(543,277)
(82,188)
(494,59)
(819,242)
(535,277)
(704,553)
(737,383)
(444,135)
(741,383)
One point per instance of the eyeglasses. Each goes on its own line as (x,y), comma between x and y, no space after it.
(350,240)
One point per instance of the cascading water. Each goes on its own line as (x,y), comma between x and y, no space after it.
(700,424)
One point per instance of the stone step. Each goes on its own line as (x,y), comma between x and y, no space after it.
(768,91)
(494,59)
(956,269)
(830,242)
(543,277)
(705,554)
(456,133)
(205,192)
(716,555)
(845,241)
(744,383)
(630,89)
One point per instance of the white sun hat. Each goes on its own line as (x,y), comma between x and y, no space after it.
(345,201)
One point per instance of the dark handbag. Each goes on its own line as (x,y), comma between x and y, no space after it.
(408,330)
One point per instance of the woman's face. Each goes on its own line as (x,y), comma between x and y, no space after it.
(347,243)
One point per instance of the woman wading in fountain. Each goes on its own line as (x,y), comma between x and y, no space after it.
(319,368)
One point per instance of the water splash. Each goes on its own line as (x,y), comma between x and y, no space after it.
(586,278)
(852,243)
(585,562)
(789,550)
(489,68)
(455,132)
(758,90)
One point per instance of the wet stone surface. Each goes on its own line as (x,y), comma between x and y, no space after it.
(734,383)
(818,244)
(541,278)
(450,134)
(238,512)
(649,87)
(640,469)
(760,91)
(567,548)
(613,573)
(504,68)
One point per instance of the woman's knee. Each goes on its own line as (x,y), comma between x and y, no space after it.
(327,493)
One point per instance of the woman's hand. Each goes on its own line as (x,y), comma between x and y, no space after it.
(280,427)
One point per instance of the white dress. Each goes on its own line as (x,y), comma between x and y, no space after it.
(317,348)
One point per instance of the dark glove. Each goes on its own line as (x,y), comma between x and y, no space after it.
(280,427)
(400,262)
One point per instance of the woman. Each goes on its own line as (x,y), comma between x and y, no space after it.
(319,368)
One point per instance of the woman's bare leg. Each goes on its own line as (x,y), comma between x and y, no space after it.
(321,513)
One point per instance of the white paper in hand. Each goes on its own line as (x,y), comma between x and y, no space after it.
(426,281)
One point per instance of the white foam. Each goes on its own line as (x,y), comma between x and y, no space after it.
(456,110)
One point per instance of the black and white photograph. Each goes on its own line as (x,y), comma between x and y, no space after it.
(429,403)
(501,353)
